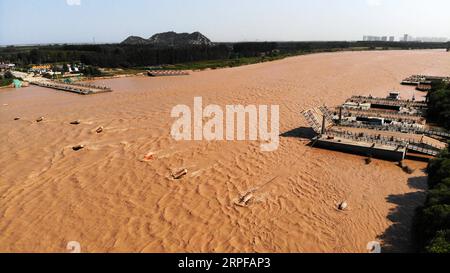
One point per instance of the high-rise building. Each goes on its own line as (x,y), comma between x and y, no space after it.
(369,38)
(372,38)
(405,38)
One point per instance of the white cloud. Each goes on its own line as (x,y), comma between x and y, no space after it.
(374,3)
(73,2)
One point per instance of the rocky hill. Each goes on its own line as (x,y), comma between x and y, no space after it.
(170,39)
(135,40)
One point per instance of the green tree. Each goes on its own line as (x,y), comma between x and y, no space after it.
(439,104)
(65,68)
(91,71)
(8,75)
(432,221)
(440,242)
(439,169)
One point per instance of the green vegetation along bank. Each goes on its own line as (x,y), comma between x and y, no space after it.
(439,104)
(6,79)
(432,220)
(132,56)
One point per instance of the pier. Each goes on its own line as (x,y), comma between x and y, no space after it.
(386,128)
(415,143)
(417,79)
(388,102)
(391,115)
(411,129)
(78,88)
(423,82)
(364,148)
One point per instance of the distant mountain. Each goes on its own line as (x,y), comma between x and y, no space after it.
(179,39)
(135,40)
(170,39)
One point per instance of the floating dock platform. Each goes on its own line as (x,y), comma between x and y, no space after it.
(165,73)
(386,115)
(78,88)
(376,150)
(386,103)
(419,79)
(390,140)
(404,129)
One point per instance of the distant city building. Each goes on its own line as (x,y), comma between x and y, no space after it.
(409,38)
(405,38)
(370,38)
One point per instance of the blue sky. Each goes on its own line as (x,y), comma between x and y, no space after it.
(79,21)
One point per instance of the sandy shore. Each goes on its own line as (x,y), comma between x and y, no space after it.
(109,200)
